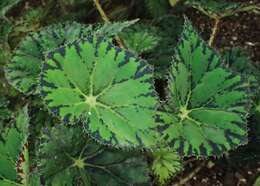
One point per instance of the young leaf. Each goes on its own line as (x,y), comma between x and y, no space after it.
(166,164)
(68,157)
(105,87)
(11,146)
(207,107)
(140,38)
(24,69)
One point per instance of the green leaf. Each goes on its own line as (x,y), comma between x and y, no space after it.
(24,69)
(157,8)
(113,29)
(140,38)
(218,9)
(105,87)
(166,164)
(6,5)
(237,60)
(68,157)
(170,28)
(207,108)
(11,147)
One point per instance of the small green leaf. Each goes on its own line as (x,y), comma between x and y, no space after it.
(105,87)
(68,157)
(208,104)
(11,146)
(140,38)
(166,164)
(24,69)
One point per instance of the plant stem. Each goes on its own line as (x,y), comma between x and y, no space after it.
(106,20)
(214,32)
(191,175)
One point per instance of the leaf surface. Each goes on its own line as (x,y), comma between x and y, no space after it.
(105,87)
(24,69)
(84,162)
(208,104)
(11,146)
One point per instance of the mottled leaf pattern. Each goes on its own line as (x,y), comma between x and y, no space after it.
(207,107)
(86,163)
(105,87)
(11,146)
(24,69)
(140,38)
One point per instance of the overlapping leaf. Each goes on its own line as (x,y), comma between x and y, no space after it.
(68,157)
(24,69)
(207,107)
(140,38)
(11,146)
(105,87)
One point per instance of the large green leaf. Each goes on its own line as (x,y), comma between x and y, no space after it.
(207,108)
(68,157)
(105,87)
(11,146)
(24,69)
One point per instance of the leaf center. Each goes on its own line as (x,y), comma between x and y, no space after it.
(184,113)
(79,163)
(91,100)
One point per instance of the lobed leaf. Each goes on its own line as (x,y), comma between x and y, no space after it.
(105,87)
(84,162)
(24,69)
(207,108)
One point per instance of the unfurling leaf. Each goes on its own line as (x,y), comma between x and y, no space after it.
(207,108)
(68,157)
(166,164)
(106,88)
